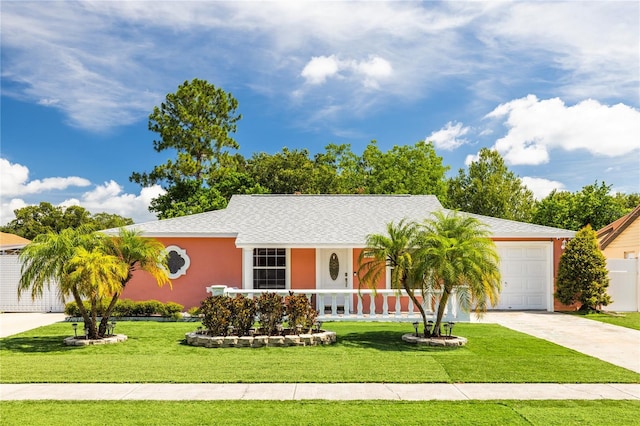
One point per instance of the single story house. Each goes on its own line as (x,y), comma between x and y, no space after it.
(621,238)
(314,241)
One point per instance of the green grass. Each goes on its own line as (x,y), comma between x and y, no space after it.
(601,412)
(623,319)
(365,352)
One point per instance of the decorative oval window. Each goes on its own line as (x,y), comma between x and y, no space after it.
(334,266)
(178,261)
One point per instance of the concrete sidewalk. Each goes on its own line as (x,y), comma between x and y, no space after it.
(309,391)
(617,345)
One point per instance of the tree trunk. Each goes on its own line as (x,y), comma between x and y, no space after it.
(413,298)
(85,315)
(441,307)
(107,314)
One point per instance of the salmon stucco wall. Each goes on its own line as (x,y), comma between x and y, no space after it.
(303,269)
(214,261)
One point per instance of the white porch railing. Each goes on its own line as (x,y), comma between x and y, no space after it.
(339,305)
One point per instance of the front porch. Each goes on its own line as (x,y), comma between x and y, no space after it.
(360,305)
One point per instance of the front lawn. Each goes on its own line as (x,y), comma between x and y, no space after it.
(365,352)
(623,319)
(87,413)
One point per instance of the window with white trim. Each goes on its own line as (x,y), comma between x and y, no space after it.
(269,268)
(178,261)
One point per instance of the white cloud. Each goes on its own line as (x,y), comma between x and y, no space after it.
(541,187)
(108,197)
(50,54)
(538,126)
(15,181)
(369,72)
(319,68)
(449,137)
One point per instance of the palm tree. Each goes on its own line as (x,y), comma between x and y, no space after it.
(48,258)
(137,253)
(396,250)
(456,254)
(90,265)
(96,275)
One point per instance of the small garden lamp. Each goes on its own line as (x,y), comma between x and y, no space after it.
(75,329)
(318,325)
(451,324)
(229,330)
(299,328)
(113,327)
(415,327)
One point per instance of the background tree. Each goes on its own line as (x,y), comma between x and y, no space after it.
(196,122)
(490,189)
(405,169)
(285,172)
(582,273)
(456,254)
(593,205)
(34,220)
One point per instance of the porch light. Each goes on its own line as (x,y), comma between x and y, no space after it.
(415,326)
(75,329)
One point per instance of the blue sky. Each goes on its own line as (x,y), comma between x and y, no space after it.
(554,87)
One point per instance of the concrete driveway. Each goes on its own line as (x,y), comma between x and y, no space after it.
(616,345)
(14,323)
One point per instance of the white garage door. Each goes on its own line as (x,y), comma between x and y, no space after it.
(526,275)
(9,302)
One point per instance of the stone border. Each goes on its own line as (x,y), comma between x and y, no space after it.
(75,341)
(198,339)
(434,341)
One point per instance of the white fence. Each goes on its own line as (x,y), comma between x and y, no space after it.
(624,285)
(359,305)
(9,279)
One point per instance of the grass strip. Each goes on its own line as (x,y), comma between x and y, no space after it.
(623,319)
(86,413)
(365,352)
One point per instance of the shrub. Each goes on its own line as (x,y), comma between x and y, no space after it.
(194,311)
(124,308)
(300,312)
(582,273)
(72,310)
(243,314)
(171,308)
(270,312)
(216,311)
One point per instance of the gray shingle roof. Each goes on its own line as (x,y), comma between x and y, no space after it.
(321,220)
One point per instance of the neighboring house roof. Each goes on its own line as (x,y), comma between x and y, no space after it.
(610,232)
(320,220)
(12,241)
